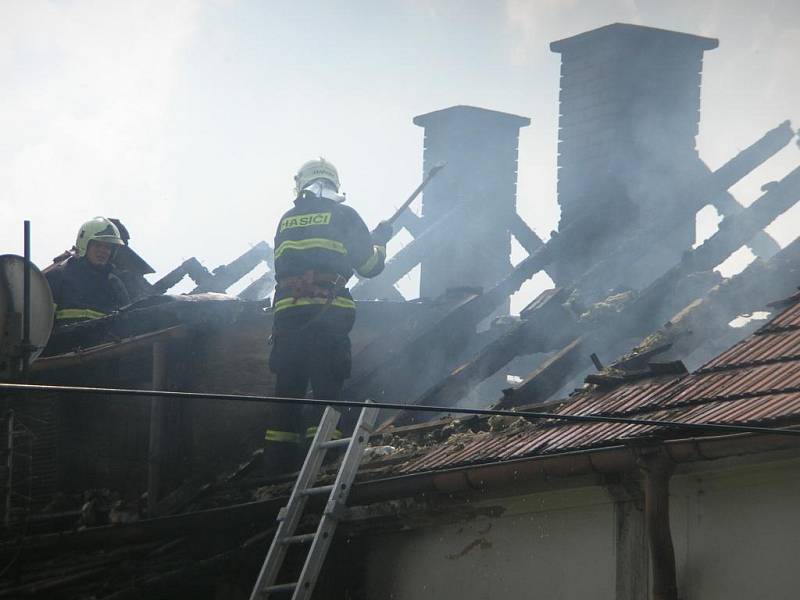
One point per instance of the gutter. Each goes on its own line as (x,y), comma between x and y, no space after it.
(656,461)
(597,461)
(238,517)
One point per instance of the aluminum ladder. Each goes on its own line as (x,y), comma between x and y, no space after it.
(289,516)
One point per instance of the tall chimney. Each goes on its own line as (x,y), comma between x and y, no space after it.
(476,192)
(629,116)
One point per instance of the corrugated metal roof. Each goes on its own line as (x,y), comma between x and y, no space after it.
(757,381)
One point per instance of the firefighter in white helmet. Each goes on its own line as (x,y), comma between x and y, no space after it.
(319,244)
(85,286)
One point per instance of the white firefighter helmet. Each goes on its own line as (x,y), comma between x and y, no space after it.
(313,170)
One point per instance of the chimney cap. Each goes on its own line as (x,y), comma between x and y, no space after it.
(475,112)
(630,32)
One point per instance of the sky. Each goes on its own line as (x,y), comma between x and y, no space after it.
(187,119)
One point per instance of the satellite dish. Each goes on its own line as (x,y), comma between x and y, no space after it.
(12,272)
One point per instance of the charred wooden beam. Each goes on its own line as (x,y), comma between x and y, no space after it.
(692,200)
(190,267)
(193,489)
(548,377)
(260,288)
(743,226)
(526,236)
(428,237)
(652,306)
(104,352)
(411,223)
(226,275)
(453,327)
(649,306)
(407,258)
(532,334)
(732,234)
(644,313)
(762,244)
(388,377)
(155,313)
(707,318)
(382,364)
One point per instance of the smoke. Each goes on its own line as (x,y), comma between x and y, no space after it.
(749,82)
(87,87)
(533,25)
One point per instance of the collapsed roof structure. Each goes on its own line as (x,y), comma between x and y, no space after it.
(631,290)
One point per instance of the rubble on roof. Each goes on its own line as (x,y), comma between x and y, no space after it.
(755,382)
(631,291)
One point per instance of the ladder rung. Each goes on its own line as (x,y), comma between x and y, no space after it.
(290,515)
(342,443)
(300,539)
(281,587)
(318,491)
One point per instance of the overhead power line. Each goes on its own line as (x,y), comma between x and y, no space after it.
(148,394)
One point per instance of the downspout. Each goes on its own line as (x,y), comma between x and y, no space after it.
(657,468)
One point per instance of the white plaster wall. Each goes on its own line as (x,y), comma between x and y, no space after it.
(550,546)
(737,533)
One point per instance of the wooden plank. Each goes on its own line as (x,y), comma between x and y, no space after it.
(647,310)
(106,351)
(734,232)
(225,276)
(548,377)
(526,236)
(407,258)
(411,223)
(762,244)
(531,335)
(706,319)
(693,198)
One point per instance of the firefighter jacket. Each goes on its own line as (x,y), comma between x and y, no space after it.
(82,291)
(321,239)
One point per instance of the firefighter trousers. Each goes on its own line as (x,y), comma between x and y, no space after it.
(307,351)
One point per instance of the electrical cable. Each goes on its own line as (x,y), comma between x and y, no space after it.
(707,427)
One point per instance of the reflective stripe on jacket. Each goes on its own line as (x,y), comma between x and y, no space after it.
(78,313)
(82,291)
(323,236)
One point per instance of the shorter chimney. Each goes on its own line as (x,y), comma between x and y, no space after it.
(480,149)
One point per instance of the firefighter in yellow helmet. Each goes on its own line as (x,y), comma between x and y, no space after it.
(85,287)
(319,244)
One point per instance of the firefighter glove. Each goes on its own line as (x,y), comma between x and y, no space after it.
(383,233)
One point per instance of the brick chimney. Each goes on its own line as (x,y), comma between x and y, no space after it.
(629,116)
(480,148)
